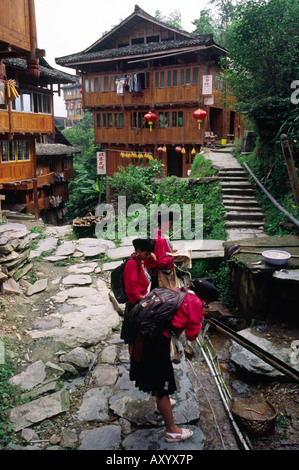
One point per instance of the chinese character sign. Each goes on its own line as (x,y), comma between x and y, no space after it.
(101,163)
(207,84)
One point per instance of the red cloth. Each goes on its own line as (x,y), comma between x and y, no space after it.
(135,280)
(161,248)
(189,317)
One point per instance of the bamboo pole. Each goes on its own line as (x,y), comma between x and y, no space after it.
(224,395)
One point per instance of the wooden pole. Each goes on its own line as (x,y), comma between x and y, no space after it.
(101,189)
(288,157)
(35,198)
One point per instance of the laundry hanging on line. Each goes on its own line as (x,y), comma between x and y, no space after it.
(131,83)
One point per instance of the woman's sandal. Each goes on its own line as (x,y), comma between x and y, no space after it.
(176,436)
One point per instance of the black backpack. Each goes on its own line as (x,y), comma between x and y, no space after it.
(117,281)
(152,315)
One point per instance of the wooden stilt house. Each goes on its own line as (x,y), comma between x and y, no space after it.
(27,84)
(146,66)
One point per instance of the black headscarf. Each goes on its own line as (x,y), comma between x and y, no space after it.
(144,244)
(205,290)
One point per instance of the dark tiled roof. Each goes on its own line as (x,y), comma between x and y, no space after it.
(138,49)
(55,149)
(46,71)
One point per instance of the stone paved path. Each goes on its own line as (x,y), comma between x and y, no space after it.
(74,365)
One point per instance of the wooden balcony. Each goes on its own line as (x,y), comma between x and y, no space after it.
(45,180)
(26,123)
(68,174)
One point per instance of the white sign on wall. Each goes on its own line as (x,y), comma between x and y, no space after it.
(207,81)
(101,163)
(209,101)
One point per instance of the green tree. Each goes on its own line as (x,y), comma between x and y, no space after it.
(174,19)
(83,191)
(263,53)
(205,24)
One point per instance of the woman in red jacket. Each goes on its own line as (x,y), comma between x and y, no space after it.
(137,281)
(163,262)
(151,367)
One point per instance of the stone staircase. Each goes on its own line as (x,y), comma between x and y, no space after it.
(243,213)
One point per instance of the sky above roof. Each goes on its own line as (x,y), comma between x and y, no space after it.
(69,26)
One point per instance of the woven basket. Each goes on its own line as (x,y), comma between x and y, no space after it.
(256,417)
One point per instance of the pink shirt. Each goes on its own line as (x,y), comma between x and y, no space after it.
(189,316)
(161,248)
(135,280)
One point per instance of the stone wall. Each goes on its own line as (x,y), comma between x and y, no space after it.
(15,241)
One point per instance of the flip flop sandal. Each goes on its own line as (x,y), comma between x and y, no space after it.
(176,436)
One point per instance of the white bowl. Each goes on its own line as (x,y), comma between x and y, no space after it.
(276,256)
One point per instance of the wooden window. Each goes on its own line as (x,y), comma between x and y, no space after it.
(161,119)
(20,151)
(112,83)
(94,85)
(180,119)
(110,120)
(11,152)
(174,78)
(120,120)
(104,120)
(106,83)
(166,119)
(160,79)
(26,150)
(195,76)
(188,76)
(157,80)
(86,85)
(99,120)
(182,77)
(174,119)
(4,152)
(138,41)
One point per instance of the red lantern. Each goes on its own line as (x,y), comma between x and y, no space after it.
(178,149)
(199,114)
(160,149)
(150,118)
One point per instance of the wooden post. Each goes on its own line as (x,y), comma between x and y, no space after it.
(286,150)
(2,198)
(35,198)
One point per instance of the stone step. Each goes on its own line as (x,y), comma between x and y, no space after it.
(233,179)
(244,215)
(232,172)
(242,201)
(243,224)
(235,184)
(244,192)
(244,208)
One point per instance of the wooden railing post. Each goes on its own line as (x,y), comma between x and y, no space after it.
(288,157)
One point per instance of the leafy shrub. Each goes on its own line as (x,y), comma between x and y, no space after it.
(201,167)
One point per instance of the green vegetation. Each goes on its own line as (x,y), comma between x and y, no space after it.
(83,189)
(142,186)
(202,167)
(9,395)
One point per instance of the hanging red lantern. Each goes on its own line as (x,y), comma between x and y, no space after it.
(160,149)
(150,118)
(178,149)
(199,114)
